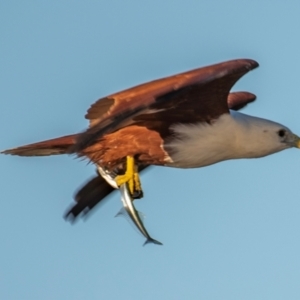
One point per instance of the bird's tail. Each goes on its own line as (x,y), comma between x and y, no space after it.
(55,146)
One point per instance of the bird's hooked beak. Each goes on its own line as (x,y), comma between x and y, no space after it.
(296,142)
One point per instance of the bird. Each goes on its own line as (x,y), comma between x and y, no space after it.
(188,120)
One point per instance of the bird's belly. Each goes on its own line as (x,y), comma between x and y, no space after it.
(191,158)
(199,145)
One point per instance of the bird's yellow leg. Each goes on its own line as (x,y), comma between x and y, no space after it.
(137,181)
(128,177)
(138,192)
(131,177)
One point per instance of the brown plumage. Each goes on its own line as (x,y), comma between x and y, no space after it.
(95,190)
(137,121)
(49,147)
(183,98)
(61,145)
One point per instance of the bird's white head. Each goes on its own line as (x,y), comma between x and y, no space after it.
(258,137)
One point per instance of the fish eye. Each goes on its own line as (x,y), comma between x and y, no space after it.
(281,132)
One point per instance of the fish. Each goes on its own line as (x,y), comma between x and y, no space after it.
(108,176)
(128,205)
(134,214)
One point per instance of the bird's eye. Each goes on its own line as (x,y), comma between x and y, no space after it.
(281,132)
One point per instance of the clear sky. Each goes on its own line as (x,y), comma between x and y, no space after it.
(230,231)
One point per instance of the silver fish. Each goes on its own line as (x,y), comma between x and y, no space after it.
(108,176)
(128,204)
(134,215)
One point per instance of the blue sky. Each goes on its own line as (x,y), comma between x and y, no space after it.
(230,231)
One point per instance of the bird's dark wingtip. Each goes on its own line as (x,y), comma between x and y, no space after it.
(252,64)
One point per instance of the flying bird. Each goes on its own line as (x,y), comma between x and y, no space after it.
(187,120)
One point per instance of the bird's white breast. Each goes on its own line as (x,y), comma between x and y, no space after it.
(201,144)
(233,135)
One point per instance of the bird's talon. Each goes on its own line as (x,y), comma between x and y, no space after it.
(131,177)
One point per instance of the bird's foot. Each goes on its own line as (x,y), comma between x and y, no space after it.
(132,178)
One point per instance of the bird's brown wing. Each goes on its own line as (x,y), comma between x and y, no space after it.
(55,146)
(198,94)
(88,196)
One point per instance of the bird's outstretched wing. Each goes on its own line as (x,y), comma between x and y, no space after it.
(201,93)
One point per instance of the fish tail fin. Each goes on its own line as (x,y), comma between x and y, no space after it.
(152,241)
(121,212)
(59,145)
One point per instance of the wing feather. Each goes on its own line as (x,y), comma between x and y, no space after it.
(177,92)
